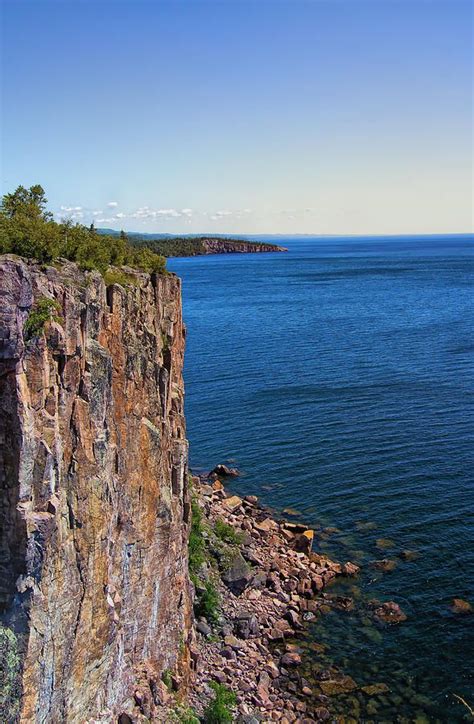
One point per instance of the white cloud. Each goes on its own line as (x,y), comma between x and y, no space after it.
(171,213)
(112,204)
(120,215)
(71,209)
(218,215)
(97,213)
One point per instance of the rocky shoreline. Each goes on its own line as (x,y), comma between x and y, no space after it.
(270,585)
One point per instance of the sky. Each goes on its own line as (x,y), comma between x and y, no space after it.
(242,116)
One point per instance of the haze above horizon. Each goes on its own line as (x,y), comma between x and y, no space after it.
(242,117)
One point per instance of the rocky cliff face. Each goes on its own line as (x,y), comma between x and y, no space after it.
(94,506)
(231,246)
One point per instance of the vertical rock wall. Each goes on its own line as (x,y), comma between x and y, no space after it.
(94,507)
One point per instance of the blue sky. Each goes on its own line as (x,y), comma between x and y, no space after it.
(255,116)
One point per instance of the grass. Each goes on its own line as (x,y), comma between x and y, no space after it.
(117,276)
(207,602)
(227,533)
(218,710)
(183,714)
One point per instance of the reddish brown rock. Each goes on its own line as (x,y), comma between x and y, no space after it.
(350,569)
(233,503)
(225,471)
(94,520)
(390,612)
(290,659)
(460,606)
(304,542)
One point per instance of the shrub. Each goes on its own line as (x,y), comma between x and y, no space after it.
(43,311)
(227,533)
(218,710)
(184,715)
(117,276)
(207,603)
(10,686)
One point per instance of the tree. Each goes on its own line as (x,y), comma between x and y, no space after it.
(27,203)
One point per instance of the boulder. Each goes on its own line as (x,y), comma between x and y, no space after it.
(233,503)
(246,625)
(375,689)
(334,687)
(226,471)
(233,642)
(390,612)
(290,659)
(386,565)
(350,569)
(237,575)
(203,628)
(460,606)
(265,526)
(304,542)
(251,499)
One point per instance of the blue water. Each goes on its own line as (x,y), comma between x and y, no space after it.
(339,378)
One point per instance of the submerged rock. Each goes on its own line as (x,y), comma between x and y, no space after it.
(460,606)
(390,612)
(374,689)
(407,555)
(382,543)
(335,687)
(385,565)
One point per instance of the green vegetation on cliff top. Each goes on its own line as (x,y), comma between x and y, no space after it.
(28,229)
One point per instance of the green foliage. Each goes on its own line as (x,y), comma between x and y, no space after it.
(170,247)
(27,229)
(166,678)
(207,602)
(187,245)
(218,710)
(227,533)
(183,714)
(10,686)
(117,276)
(43,312)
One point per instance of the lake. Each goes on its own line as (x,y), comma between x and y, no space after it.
(338,377)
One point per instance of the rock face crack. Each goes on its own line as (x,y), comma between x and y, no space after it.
(94,506)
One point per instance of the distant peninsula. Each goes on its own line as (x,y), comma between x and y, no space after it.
(170,246)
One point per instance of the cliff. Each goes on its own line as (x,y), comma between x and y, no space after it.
(231,246)
(199,245)
(94,507)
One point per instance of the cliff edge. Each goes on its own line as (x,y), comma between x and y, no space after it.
(94,507)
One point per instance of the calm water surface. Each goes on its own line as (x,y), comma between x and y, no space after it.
(339,378)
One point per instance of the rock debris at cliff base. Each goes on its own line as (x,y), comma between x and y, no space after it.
(271,585)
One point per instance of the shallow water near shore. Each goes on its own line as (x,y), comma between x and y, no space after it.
(338,378)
